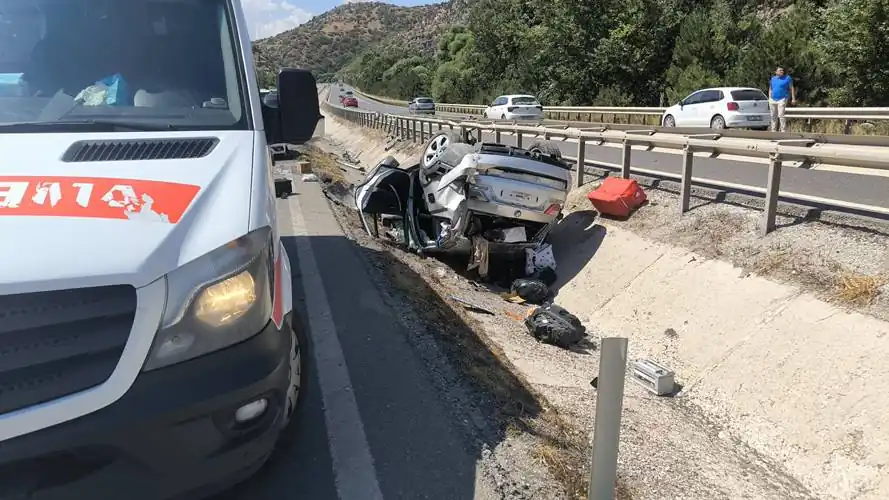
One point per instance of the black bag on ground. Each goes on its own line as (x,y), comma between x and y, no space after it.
(533,291)
(553,325)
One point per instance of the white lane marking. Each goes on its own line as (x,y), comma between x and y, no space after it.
(353,465)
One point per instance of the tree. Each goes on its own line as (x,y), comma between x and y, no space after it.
(855,44)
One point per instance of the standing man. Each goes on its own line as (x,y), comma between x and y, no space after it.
(780,88)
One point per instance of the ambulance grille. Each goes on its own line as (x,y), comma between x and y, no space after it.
(57,343)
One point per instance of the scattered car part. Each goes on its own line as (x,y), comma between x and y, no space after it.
(654,377)
(554,325)
(531,290)
(469,305)
(283,188)
(546,147)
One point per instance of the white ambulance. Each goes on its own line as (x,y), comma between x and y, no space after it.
(148,348)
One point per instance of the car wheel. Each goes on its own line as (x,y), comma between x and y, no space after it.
(669,121)
(718,122)
(444,148)
(546,147)
(299,351)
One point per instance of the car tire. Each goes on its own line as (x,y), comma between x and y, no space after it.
(717,122)
(443,149)
(669,121)
(550,148)
(299,364)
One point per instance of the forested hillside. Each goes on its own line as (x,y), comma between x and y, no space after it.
(329,41)
(640,52)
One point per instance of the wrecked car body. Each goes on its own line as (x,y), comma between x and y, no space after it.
(478,197)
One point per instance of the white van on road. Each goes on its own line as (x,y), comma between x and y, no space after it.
(148,348)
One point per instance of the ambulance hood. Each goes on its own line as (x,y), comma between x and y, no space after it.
(93,209)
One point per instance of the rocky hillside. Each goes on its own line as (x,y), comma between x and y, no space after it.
(329,41)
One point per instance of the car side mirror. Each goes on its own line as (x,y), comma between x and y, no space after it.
(294,116)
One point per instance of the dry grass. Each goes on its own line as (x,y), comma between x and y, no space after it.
(564,452)
(856,289)
(324,166)
(813,271)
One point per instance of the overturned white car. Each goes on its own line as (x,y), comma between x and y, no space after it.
(466,192)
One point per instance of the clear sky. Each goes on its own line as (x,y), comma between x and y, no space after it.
(269,17)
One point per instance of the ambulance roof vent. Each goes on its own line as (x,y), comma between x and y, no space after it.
(140,149)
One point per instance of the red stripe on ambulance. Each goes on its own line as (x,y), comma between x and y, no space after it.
(95,197)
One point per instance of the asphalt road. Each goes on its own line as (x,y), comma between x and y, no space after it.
(373,425)
(854,188)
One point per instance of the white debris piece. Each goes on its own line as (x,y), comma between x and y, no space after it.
(515,235)
(539,258)
(310,178)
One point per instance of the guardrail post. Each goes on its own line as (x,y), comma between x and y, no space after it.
(497,136)
(518,139)
(688,158)
(767,224)
(439,126)
(581,160)
(422,132)
(625,160)
(462,132)
(609,406)
(413,130)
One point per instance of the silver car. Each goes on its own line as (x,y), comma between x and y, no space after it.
(422,105)
(461,191)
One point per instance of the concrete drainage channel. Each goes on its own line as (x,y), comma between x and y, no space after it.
(751,354)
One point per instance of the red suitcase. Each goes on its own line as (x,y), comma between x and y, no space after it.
(617,197)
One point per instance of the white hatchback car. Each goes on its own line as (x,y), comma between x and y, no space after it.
(719,108)
(515,107)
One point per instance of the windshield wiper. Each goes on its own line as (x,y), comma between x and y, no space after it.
(87,125)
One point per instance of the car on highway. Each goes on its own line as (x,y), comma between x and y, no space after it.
(515,107)
(461,190)
(350,102)
(421,105)
(720,108)
(149,346)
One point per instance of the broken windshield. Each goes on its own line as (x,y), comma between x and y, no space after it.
(158,62)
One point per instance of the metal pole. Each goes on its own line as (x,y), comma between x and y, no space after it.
(413,130)
(685,188)
(767,224)
(581,160)
(625,160)
(497,136)
(518,139)
(609,406)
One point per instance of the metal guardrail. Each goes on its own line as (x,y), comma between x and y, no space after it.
(566,112)
(415,128)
